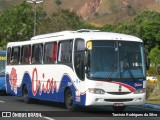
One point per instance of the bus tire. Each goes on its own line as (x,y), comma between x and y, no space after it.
(3,93)
(25,95)
(69,101)
(119,108)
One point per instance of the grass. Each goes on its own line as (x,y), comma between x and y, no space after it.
(153,91)
(157,102)
(153,99)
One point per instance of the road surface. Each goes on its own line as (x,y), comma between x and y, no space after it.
(45,110)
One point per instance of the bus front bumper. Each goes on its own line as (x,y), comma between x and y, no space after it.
(115,100)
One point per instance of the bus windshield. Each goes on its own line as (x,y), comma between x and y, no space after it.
(2,65)
(116,59)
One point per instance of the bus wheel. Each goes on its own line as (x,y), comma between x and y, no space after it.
(25,95)
(119,108)
(2,92)
(69,101)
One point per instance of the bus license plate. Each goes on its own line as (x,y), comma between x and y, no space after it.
(118,104)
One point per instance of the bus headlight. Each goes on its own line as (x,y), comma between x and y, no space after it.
(138,91)
(96,91)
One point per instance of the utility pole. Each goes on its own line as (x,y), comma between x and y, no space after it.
(35,2)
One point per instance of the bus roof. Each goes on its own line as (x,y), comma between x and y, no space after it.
(84,34)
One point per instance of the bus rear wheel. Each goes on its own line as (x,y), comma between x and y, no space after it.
(69,101)
(25,95)
(2,92)
(119,108)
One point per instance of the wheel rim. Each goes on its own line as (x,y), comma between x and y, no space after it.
(69,99)
(25,93)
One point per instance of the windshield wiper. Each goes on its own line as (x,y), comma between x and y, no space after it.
(131,74)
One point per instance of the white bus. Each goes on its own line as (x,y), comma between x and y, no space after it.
(84,67)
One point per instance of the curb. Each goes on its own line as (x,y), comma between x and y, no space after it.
(152,106)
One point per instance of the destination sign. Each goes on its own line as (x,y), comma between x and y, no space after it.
(2,57)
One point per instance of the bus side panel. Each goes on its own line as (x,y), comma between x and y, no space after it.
(26,81)
(67,82)
(12,88)
(2,83)
(2,70)
(59,92)
(41,85)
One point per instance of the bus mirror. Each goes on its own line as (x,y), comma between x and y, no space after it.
(87,60)
(147,63)
(146,51)
(147,59)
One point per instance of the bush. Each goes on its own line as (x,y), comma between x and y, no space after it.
(158,70)
(149,89)
(152,71)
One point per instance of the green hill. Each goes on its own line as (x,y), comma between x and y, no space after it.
(97,12)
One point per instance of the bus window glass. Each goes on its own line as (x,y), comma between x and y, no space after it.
(15,55)
(65,51)
(116,59)
(37,53)
(79,45)
(50,52)
(131,60)
(8,55)
(25,55)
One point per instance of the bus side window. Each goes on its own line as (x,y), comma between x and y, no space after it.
(8,55)
(79,54)
(37,53)
(26,54)
(65,52)
(50,52)
(15,55)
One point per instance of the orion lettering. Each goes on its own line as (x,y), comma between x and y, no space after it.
(37,84)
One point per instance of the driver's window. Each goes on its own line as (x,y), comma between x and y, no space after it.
(79,58)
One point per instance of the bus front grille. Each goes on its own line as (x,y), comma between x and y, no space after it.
(119,93)
(118,100)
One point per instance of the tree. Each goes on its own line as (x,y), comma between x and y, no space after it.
(17,23)
(145,26)
(60,21)
(155,55)
(107,28)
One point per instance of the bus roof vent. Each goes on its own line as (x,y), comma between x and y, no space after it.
(87,30)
